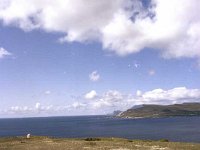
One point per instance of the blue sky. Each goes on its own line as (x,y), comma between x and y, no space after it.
(42,76)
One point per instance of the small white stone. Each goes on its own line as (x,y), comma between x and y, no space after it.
(28,136)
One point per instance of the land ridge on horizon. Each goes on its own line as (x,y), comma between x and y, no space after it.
(156,111)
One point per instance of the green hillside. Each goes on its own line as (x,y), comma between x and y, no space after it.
(146,111)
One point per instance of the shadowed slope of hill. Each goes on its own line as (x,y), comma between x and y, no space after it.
(185,109)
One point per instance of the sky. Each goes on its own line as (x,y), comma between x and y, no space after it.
(61,58)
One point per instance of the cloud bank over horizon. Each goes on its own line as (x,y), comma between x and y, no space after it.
(110,101)
(122,26)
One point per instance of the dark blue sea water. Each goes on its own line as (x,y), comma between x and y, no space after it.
(185,129)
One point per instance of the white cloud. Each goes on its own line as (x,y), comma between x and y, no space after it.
(17,109)
(47,92)
(100,104)
(138,93)
(4,53)
(37,106)
(110,100)
(78,19)
(112,96)
(91,95)
(94,76)
(78,105)
(151,72)
(176,95)
(123,26)
(173,30)
(136,65)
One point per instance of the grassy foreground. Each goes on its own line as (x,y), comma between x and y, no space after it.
(46,143)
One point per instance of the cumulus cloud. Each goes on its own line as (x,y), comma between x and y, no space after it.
(100,104)
(176,95)
(94,76)
(138,93)
(37,106)
(165,25)
(78,105)
(110,99)
(122,26)
(112,95)
(4,53)
(80,20)
(91,95)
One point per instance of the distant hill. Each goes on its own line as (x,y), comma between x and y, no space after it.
(152,111)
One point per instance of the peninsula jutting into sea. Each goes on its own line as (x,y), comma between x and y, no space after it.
(156,111)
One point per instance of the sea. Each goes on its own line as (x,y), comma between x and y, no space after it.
(181,129)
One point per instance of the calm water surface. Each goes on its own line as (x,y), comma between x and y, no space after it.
(174,129)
